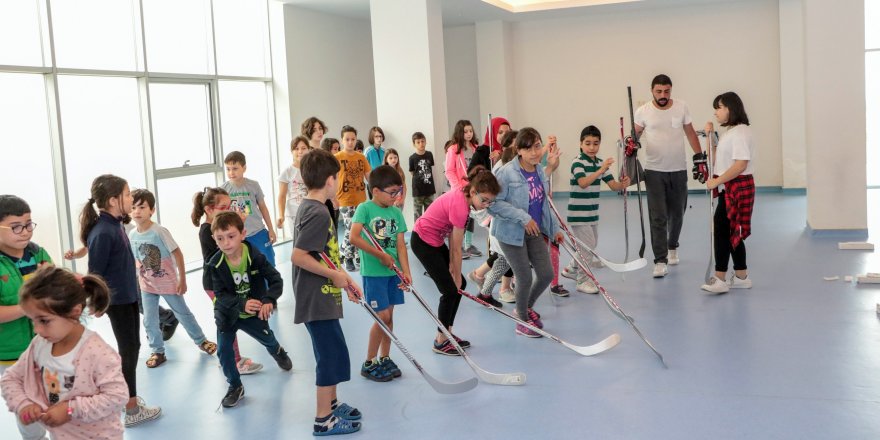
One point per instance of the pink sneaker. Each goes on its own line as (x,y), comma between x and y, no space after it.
(527,332)
(535,319)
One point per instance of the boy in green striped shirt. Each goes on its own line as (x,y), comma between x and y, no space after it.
(583,202)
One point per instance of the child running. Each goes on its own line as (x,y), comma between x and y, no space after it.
(318,292)
(69,381)
(161,273)
(207,203)
(447,217)
(246,289)
(381,286)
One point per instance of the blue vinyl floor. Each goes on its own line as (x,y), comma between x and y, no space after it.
(796,357)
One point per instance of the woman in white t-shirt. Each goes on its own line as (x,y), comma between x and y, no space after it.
(734,186)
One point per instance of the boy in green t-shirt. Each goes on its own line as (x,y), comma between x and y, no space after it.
(19,258)
(382,288)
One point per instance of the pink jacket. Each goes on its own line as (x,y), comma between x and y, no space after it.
(98,395)
(456,168)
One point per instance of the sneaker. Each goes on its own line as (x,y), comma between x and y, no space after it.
(527,332)
(283,359)
(390,366)
(478,280)
(233,396)
(507,296)
(144,414)
(660,270)
(247,366)
(168,331)
(535,318)
(465,255)
(474,251)
(461,342)
(335,425)
(373,370)
(572,274)
(672,257)
(558,290)
(492,301)
(716,286)
(445,348)
(587,286)
(349,266)
(736,282)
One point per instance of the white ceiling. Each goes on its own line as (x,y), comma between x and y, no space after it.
(463,12)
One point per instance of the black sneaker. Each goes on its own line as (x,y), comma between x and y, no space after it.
(558,290)
(461,342)
(233,396)
(390,366)
(283,359)
(375,372)
(349,266)
(168,331)
(445,348)
(492,301)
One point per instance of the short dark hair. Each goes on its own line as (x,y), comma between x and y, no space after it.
(316,166)
(225,220)
(384,176)
(735,105)
(235,157)
(143,195)
(12,205)
(347,129)
(417,135)
(359,145)
(327,143)
(591,130)
(481,180)
(526,138)
(662,80)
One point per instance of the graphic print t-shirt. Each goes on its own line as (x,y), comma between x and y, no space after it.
(57,373)
(536,195)
(246,198)
(152,249)
(422,165)
(384,224)
(241,279)
(354,169)
(316,297)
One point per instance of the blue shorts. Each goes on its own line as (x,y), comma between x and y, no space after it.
(260,241)
(382,292)
(331,353)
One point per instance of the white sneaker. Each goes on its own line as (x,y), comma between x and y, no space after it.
(247,366)
(736,282)
(472,275)
(587,286)
(507,296)
(716,286)
(144,414)
(660,270)
(571,274)
(672,257)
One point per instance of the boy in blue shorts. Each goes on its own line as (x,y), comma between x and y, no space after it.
(381,286)
(318,292)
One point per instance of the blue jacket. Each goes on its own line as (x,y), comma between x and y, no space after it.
(110,257)
(511,209)
(375,156)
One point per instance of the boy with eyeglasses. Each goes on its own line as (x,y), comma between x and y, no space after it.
(382,288)
(19,259)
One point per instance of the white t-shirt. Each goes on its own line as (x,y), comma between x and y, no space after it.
(57,372)
(663,137)
(735,144)
(296,189)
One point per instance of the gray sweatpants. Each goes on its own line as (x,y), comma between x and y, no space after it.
(667,201)
(533,251)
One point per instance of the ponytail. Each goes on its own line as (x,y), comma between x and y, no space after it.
(104,188)
(204,198)
(481,180)
(60,290)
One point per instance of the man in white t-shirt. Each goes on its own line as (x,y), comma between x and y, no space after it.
(662,126)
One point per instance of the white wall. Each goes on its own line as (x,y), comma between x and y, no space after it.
(462,89)
(330,71)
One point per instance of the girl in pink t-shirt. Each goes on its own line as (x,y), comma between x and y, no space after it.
(448,216)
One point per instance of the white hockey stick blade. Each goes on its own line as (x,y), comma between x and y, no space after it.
(599,347)
(617,267)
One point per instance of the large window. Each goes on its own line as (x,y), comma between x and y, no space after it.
(872,90)
(182,124)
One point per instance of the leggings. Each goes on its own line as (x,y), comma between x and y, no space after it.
(527,289)
(723,251)
(494,256)
(435,259)
(499,268)
(125,322)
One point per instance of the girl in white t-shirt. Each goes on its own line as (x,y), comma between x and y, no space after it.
(734,186)
(291,189)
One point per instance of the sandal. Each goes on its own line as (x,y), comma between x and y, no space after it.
(208,347)
(156,359)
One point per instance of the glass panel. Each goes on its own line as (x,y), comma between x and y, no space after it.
(872,31)
(241,36)
(181,118)
(174,204)
(20,23)
(178,35)
(872,116)
(244,120)
(95,34)
(24,134)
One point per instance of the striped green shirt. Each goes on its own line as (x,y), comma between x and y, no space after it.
(583,203)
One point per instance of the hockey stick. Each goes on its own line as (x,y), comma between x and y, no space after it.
(622,152)
(485,376)
(617,267)
(590,350)
(709,156)
(635,140)
(438,386)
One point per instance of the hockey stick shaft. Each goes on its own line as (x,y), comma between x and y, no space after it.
(709,156)
(438,386)
(635,138)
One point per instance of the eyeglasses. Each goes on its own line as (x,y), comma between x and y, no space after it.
(393,193)
(485,201)
(18,229)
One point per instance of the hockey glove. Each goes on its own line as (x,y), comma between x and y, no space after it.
(701,170)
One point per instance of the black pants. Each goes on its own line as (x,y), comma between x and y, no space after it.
(436,262)
(667,201)
(125,321)
(723,250)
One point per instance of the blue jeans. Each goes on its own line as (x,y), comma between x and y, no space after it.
(257,329)
(260,241)
(181,311)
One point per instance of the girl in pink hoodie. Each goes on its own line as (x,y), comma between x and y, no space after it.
(69,381)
